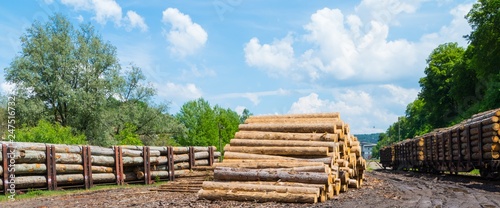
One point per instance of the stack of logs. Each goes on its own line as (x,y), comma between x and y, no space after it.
(447,149)
(53,166)
(479,136)
(302,158)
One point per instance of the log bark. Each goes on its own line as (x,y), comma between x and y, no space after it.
(34,169)
(282,143)
(234,174)
(231,156)
(291,116)
(292,128)
(257,196)
(236,186)
(64,179)
(488,147)
(288,151)
(180,173)
(258,164)
(286,136)
(291,121)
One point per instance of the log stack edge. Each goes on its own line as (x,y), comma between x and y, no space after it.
(301,158)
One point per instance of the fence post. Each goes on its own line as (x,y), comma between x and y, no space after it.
(210,155)
(50,156)
(119,165)
(191,158)
(87,167)
(170,156)
(147,166)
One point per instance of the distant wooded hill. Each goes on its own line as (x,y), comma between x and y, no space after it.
(370,138)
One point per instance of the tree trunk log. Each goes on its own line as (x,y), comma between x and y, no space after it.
(212,185)
(292,116)
(286,136)
(292,128)
(257,196)
(257,164)
(288,151)
(228,156)
(234,174)
(34,169)
(282,143)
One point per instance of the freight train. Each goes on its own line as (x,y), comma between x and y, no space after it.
(472,144)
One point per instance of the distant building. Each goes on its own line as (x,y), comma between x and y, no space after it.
(366,150)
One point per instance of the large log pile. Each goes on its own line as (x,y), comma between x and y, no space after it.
(459,148)
(52,166)
(288,158)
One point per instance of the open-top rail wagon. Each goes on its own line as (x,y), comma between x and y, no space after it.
(471,144)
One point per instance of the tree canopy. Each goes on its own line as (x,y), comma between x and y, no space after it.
(458,82)
(71,77)
(207,125)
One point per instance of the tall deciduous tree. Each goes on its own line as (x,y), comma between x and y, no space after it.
(72,77)
(206,125)
(244,115)
(484,49)
(201,123)
(227,121)
(437,84)
(67,72)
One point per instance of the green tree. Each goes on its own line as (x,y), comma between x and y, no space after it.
(437,84)
(227,121)
(127,136)
(484,49)
(201,123)
(206,125)
(66,74)
(133,106)
(244,115)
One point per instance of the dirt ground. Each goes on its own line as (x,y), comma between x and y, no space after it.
(382,188)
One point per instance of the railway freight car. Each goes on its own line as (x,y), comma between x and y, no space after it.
(471,144)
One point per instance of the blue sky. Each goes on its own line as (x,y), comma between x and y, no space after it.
(360,58)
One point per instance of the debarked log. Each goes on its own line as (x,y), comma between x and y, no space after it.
(282,143)
(238,174)
(228,156)
(293,128)
(258,164)
(33,169)
(242,186)
(257,196)
(262,135)
(289,151)
(63,179)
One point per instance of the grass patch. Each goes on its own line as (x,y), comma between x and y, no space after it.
(34,193)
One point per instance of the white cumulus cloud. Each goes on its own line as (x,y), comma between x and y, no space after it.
(356,46)
(185,36)
(367,109)
(136,21)
(179,92)
(108,10)
(277,56)
(255,97)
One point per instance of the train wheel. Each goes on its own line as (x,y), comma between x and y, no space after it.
(484,173)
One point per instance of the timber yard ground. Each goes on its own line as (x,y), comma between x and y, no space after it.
(382,188)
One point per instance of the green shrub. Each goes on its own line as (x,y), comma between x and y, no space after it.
(127,136)
(46,132)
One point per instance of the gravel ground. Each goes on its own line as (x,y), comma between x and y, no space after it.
(382,188)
